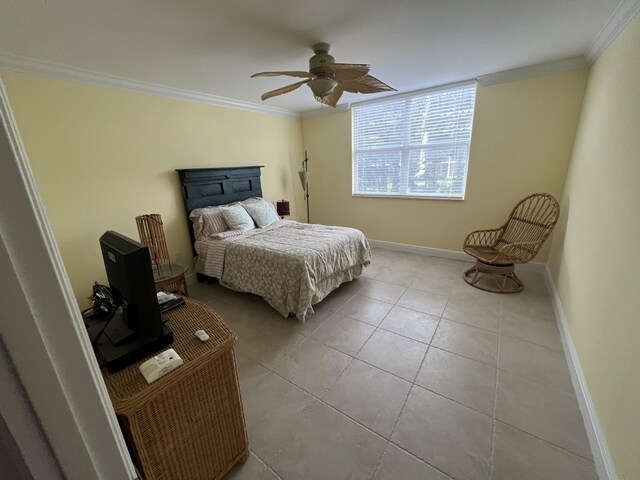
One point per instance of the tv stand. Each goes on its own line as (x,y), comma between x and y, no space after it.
(188,424)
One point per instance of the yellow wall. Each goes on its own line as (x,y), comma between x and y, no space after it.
(102,156)
(595,259)
(522,139)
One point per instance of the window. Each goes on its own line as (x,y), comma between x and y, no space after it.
(414,145)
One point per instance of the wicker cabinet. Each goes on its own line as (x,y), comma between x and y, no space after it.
(189,424)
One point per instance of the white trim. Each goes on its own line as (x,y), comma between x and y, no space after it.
(537,70)
(450,254)
(428,251)
(44,334)
(615,25)
(380,98)
(40,67)
(344,107)
(422,91)
(529,71)
(599,448)
(408,197)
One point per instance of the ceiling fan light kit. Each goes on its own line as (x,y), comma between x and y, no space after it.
(322,87)
(329,80)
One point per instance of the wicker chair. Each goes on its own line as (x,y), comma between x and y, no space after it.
(518,241)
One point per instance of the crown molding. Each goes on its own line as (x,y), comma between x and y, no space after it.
(617,22)
(530,71)
(537,70)
(345,107)
(40,67)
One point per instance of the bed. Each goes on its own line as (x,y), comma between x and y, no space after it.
(291,265)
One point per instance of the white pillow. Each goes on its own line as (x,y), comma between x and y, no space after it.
(237,218)
(207,222)
(261,212)
(252,200)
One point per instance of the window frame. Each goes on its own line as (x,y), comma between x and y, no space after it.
(406,149)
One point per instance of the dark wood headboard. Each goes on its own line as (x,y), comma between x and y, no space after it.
(205,187)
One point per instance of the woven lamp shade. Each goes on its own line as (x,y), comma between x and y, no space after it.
(151,234)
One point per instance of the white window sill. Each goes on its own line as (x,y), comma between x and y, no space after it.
(409,197)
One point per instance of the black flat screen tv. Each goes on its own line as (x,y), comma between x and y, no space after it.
(137,328)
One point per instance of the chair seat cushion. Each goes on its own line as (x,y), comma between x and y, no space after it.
(490,255)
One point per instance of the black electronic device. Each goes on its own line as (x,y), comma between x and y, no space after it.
(171,304)
(101,302)
(136,329)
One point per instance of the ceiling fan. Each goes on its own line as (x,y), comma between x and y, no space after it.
(329,80)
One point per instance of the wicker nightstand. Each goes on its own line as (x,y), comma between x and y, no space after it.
(189,424)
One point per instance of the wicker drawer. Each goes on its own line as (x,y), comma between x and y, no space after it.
(188,424)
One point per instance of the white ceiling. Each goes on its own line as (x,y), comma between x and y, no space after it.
(213,46)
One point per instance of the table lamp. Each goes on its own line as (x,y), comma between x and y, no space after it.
(282,207)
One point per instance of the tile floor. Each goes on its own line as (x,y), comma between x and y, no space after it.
(407,373)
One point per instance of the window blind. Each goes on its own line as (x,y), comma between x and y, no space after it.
(416,145)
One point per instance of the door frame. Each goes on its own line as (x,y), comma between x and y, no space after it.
(43,333)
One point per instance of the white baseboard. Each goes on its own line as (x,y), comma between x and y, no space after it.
(599,449)
(450,254)
(433,252)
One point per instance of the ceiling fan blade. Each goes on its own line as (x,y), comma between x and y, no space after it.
(289,74)
(287,89)
(347,71)
(342,66)
(366,84)
(333,97)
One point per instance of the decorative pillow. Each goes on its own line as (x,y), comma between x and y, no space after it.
(262,213)
(237,218)
(207,222)
(252,200)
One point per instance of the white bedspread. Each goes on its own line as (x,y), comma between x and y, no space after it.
(291,265)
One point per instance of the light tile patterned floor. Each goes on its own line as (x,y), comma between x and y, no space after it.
(407,373)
